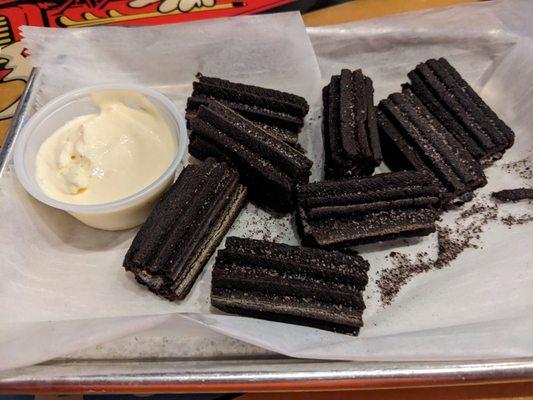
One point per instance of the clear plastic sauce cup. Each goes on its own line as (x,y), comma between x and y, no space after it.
(116,215)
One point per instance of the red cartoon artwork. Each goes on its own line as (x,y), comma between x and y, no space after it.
(73,13)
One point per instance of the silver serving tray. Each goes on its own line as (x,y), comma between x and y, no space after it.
(227,370)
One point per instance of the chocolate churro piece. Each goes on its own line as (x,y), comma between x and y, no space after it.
(513,194)
(278,112)
(298,285)
(460,109)
(269,167)
(367,209)
(185,227)
(349,129)
(412,138)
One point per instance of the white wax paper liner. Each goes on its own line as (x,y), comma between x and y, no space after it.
(63,287)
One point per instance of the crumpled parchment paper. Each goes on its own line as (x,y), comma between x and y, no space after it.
(63,287)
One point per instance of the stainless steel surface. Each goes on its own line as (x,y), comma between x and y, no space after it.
(254,375)
(18,119)
(235,372)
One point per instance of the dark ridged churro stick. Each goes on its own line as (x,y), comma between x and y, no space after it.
(279,112)
(367,209)
(269,167)
(298,285)
(185,227)
(350,135)
(460,109)
(412,138)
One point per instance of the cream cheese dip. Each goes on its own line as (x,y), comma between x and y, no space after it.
(106,156)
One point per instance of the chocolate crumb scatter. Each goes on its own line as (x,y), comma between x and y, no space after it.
(511,220)
(524,168)
(452,241)
(474,209)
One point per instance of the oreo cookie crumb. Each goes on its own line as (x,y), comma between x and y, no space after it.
(511,220)
(452,241)
(474,209)
(523,168)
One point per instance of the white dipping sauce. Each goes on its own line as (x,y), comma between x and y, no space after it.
(103,157)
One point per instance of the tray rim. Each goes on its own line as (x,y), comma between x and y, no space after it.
(16,122)
(239,374)
(247,375)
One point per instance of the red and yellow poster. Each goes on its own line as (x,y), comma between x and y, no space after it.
(14,67)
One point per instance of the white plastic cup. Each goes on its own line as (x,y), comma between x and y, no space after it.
(116,215)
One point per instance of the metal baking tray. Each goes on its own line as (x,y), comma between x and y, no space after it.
(227,370)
